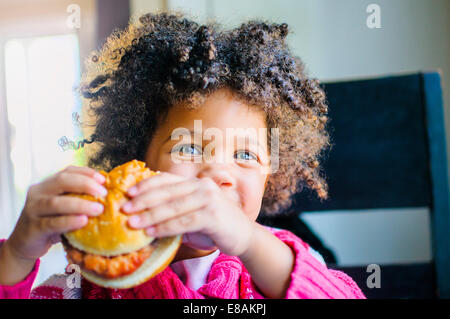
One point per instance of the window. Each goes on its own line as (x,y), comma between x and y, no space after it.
(41,74)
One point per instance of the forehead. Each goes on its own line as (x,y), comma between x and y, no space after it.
(220,110)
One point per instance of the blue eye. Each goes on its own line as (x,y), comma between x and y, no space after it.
(247,156)
(187,149)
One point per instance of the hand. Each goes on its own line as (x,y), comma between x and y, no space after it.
(168,205)
(47,213)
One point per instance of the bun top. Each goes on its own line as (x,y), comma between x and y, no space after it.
(109,234)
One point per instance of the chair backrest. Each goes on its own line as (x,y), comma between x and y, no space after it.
(389,151)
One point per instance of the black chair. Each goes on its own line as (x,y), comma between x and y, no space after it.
(389,151)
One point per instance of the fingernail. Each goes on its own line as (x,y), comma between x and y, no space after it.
(97,207)
(83,219)
(132,191)
(150,231)
(134,220)
(99,178)
(102,191)
(127,207)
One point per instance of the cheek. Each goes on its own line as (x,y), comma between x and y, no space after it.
(183,170)
(164,163)
(251,190)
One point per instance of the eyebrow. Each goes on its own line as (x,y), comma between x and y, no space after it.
(190,131)
(250,139)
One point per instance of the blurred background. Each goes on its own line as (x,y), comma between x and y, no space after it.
(43,44)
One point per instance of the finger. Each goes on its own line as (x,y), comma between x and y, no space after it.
(66,182)
(154,181)
(154,197)
(62,224)
(192,222)
(87,171)
(173,209)
(65,205)
(55,238)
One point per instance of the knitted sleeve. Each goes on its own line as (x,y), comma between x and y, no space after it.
(22,289)
(311,279)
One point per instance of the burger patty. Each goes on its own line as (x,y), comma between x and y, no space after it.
(108,267)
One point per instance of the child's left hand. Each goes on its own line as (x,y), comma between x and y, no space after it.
(170,205)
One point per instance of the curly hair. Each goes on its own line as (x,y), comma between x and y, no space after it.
(163,59)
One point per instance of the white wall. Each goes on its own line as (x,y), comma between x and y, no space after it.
(139,7)
(335,43)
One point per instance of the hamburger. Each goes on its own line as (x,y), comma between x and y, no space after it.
(109,252)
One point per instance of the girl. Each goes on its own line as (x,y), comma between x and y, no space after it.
(164,73)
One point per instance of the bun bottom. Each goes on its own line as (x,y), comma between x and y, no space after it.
(161,257)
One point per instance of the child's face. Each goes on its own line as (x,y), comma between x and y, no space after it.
(237,167)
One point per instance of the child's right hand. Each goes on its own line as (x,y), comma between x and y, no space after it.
(47,213)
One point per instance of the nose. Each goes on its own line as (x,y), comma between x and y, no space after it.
(219,174)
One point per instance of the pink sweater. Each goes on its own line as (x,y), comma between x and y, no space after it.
(227,279)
